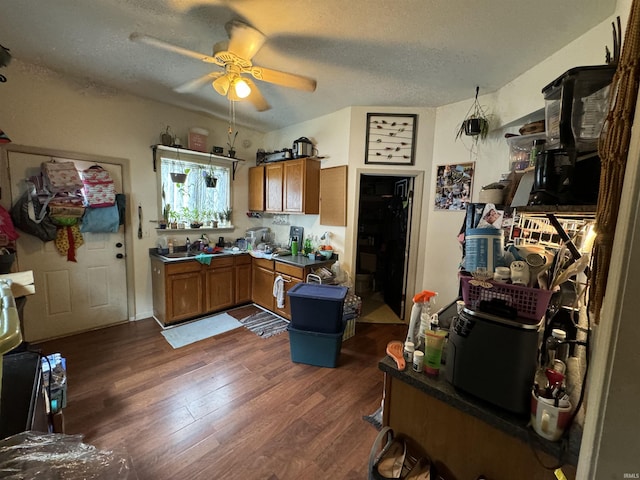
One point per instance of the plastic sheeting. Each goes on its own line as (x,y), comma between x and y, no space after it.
(56,456)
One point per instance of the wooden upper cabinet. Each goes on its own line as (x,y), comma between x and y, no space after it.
(301,192)
(291,186)
(256,188)
(333,196)
(273,187)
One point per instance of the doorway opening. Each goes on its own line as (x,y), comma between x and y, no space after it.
(382,253)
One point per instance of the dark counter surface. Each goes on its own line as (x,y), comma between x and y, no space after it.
(297,260)
(509,423)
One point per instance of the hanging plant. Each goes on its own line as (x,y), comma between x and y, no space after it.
(210,180)
(179,175)
(476,121)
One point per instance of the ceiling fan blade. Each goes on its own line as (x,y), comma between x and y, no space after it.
(244,41)
(282,78)
(156,42)
(194,85)
(255,97)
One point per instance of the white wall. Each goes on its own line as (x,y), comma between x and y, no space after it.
(340,138)
(39,108)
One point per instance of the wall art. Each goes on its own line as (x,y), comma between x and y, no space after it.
(391,139)
(453,186)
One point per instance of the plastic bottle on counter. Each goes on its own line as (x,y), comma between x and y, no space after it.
(556,347)
(409,348)
(418,360)
(170,245)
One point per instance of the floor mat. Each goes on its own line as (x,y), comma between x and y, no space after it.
(265,324)
(197,330)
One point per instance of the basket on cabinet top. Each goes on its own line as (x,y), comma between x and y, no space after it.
(530,303)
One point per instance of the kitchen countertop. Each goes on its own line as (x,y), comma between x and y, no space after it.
(297,260)
(509,423)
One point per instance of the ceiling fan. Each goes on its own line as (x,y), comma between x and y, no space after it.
(234,55)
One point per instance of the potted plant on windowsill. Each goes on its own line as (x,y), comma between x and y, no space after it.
(476,121)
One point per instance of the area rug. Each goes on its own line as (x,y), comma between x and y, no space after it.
(192,332)
(265,324)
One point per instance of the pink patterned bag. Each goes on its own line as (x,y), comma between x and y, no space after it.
(60,177)
(99,189)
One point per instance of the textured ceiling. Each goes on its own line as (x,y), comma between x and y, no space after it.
(361,52)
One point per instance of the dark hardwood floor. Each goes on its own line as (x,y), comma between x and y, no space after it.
(234,406)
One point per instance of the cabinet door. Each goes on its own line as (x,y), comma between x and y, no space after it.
(243,283)
(256,188)
(301,186)
(333,196)
(159,290)
(289,283)
(273,187)
(293,180)
(219,288)
(184,296)
(262,286)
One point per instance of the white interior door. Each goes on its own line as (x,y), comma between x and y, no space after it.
(70,297)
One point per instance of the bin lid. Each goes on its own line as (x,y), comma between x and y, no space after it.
(319,291)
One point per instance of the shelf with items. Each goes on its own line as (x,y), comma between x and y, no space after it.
(520,151)
(551,225)
(186,151)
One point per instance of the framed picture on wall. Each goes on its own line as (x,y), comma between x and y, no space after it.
(453,186)
(391,139)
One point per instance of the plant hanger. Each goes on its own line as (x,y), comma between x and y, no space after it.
(475,123)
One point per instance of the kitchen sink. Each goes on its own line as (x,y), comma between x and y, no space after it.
(180,254)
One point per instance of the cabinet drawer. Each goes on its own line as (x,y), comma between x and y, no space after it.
(243,259)
(297,272)
(182,267)
(264,263)
(221,262)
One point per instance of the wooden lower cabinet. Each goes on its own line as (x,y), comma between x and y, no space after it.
(177,291)
(262,282)
(243,280)
(220,284)
(292,276)
(185,290)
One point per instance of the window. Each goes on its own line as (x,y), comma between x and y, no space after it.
(192,200)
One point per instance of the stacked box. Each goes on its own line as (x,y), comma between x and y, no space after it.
(317,307)
(351,311)
(317,326)
(315,348)
(54,375)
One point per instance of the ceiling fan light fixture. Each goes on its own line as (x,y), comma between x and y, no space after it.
(242,88)
(221,85)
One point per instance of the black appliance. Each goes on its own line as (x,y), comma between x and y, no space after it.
(576,103)
(494,358)
(296,233)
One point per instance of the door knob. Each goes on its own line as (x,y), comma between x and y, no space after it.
(119,255)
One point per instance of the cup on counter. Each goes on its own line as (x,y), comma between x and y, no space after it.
(547,420)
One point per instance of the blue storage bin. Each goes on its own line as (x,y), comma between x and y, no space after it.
(315,348)
(316,307)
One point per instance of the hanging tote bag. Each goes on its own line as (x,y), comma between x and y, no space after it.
(25,214)
(61,177)
(98,187)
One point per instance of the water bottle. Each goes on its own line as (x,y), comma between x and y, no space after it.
(556,347)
